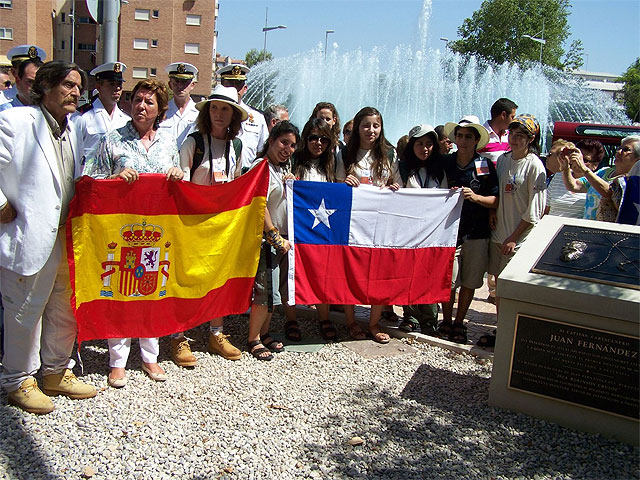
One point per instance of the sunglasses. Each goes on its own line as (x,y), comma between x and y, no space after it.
(625,149)
(316,138)
(7,84)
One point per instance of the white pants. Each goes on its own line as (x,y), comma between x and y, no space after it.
(38,320)
(119,351)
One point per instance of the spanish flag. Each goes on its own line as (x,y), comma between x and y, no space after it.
(157,257)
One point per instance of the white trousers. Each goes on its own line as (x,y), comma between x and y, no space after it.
(38,320)
(119,349)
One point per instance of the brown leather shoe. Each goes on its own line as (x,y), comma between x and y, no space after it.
(181,352)
(220,345)
(66,383)
(30,398)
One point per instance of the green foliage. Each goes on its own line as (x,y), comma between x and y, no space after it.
(495,33)
(631,90)
(254,56)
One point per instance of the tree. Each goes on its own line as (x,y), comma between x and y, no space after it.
(254,56)
(631,90)
(495,33)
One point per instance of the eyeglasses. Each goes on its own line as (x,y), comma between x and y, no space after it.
(7,84)
(625,149)
(347,132)
(316,138)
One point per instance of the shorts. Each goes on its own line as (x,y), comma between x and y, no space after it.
(276,288)
(497,261)
(470,263)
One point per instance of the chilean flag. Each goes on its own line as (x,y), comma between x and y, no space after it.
(370,246)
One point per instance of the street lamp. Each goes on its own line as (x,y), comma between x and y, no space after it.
(446,41)
(540,40)
(268,29)
(326,37)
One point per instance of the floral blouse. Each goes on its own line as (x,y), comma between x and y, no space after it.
(122,148)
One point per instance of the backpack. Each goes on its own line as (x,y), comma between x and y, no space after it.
(198,154)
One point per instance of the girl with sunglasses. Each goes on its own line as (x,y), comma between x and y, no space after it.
(313,161)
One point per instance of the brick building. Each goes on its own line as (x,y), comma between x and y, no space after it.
(152,35)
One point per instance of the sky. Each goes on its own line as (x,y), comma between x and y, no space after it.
(608,28)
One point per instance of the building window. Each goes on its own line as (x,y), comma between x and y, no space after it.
(139,72)
(6,33)
(141,14)
(194,19)
(154,43)
(87,47)
(85,20)
(141,44)
(153,72)
(62,45)
(193,48)
(6,4)
(63,17)
(156,13)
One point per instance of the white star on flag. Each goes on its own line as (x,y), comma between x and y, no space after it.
(321,214)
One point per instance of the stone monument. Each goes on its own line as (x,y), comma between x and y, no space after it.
(567,341)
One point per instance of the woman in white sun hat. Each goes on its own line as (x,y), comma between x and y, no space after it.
(211,155)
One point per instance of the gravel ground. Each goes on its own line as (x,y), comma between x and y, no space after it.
(421,415)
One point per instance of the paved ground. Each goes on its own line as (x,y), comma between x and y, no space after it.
(481,320)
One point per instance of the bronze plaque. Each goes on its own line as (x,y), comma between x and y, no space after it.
(594,255)
(584,366)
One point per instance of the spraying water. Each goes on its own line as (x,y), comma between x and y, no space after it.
(417,84)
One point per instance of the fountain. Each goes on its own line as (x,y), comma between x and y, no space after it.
(417,84)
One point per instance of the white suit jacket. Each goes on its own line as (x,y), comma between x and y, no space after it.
(30,181)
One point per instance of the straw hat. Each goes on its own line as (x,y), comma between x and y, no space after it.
(227,95)
(468,121)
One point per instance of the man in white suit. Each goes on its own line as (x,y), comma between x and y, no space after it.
(40,156)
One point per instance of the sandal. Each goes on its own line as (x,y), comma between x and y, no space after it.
(486,341)
(355,332)
(292,331)
(271,343)
(257,352)
(379,336)
(409,326)
(327,330)
(444,331)
(458,333)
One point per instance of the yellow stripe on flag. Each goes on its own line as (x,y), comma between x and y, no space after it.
(202,252)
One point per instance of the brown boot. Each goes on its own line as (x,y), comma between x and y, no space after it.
(66,383)
(220,345)
(30,398)
(181,352)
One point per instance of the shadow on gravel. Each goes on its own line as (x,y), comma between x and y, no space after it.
(440,426)
(20,455)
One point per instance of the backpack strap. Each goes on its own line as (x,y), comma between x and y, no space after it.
(198,153)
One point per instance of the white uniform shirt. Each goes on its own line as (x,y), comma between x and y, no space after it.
(254,134)
(12,100)
(96,123)
(180,124)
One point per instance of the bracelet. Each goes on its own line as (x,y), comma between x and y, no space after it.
(274,239)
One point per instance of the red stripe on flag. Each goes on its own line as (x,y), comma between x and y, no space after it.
(148,195)
(110,318)
(338,274)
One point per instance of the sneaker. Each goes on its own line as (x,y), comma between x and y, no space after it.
(181,352)
(30,398)
(67,384)
(220,345)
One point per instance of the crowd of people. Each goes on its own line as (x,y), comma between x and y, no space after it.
(46,143)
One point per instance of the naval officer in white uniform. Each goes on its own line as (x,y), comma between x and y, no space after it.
(182,112)
(104,115)
(254,131)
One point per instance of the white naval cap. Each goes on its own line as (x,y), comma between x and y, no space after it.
(234,71)
(109,71)
(184,71)
(19,54)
